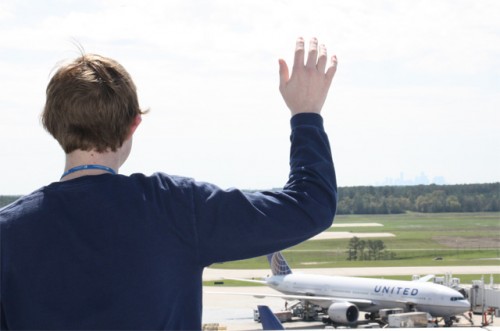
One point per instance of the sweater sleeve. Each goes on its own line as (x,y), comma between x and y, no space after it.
(233,224)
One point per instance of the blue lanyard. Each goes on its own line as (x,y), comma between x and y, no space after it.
(88,167)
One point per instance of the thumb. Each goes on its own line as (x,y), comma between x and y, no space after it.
(284,73)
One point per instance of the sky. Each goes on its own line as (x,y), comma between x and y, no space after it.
(415,99)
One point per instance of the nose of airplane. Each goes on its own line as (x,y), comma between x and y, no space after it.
(463,306)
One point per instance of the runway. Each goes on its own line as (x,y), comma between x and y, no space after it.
(236,311)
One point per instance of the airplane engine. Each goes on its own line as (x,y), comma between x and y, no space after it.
(343,312)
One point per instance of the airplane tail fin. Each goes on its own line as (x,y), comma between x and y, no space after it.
(278,264)
(268,319)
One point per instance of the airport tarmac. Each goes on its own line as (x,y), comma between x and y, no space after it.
(235,312)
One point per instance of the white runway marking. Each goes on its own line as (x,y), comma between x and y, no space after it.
(344,235)
(349,225)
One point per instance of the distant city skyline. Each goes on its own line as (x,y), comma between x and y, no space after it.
(420,179)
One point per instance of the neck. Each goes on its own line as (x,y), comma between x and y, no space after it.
(77,158)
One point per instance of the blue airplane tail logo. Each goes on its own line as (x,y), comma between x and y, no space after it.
(268,320)
(278,264)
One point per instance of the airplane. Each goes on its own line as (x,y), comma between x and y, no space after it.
(342,297)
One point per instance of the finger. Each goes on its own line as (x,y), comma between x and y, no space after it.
(332,69)
(322,58)
(284,73)
(313,53)
(299,53)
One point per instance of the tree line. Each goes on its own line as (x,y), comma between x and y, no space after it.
(7,199)
(400,199)
(420,198)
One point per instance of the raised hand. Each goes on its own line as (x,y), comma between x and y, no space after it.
(306,90)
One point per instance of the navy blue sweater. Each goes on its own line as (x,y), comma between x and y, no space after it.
(128,252)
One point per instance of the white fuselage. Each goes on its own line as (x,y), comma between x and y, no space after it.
(437,300)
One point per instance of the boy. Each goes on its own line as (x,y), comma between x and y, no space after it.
(99,250)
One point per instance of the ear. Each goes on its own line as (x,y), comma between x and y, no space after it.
(137,120)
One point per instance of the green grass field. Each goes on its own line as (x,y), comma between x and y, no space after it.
(456,239)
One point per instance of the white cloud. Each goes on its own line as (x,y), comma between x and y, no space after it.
(415,90)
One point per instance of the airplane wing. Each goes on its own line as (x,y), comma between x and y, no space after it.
(248,280)
(311,298)
(318,300)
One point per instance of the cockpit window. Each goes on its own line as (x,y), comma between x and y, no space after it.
(456,298)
